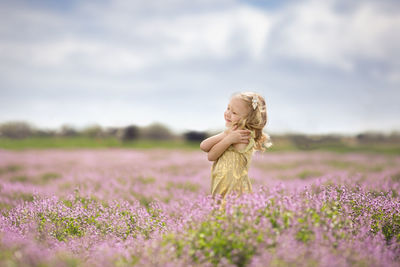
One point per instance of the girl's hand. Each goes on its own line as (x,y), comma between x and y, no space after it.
(237,136)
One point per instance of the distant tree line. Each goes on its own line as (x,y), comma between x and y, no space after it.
(309,142)
(154,131)
(158,131)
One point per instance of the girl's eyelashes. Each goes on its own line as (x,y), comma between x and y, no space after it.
(228,109)
(232,111)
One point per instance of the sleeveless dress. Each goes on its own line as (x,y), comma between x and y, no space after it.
(229,173)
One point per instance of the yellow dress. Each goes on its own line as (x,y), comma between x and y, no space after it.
(229,173)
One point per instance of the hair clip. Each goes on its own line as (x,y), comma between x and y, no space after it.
(254,102)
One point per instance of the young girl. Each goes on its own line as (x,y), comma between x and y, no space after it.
(231,150)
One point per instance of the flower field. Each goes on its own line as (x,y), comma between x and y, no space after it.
(120,207)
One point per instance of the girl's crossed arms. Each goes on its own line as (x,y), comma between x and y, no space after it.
(217,144)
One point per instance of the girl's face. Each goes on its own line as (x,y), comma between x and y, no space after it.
(236,110)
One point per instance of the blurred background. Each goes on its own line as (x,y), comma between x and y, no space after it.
(111,73)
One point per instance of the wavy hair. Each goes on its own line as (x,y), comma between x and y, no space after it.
(256,119)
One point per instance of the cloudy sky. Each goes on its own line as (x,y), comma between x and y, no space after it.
(329,66)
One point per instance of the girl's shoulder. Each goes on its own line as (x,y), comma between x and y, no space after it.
(243,148)
(239,147)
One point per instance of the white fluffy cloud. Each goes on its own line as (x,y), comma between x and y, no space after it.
(114,36)
(128,43)
(317,31)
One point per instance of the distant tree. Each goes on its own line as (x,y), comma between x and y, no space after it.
(394,137)
(44,133)
(195,136)
(111,131)
(16,129)
(309,142)
(92,131)
(128,133)
(370,137)
(67,130)
(301,141)
(325,139)
(156,131)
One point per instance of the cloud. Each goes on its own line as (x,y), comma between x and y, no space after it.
(121,36)
(319,32)
(299,53)
(129,43)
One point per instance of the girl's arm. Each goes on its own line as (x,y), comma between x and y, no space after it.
(219,148)
(207,144)
(232,137)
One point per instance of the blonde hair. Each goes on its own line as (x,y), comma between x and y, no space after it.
(256,119)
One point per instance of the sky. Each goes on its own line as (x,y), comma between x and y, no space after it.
(328,66)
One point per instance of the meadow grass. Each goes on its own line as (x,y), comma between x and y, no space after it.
(111,142)
(93,143)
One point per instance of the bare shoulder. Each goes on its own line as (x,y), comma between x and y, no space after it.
(240,146)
